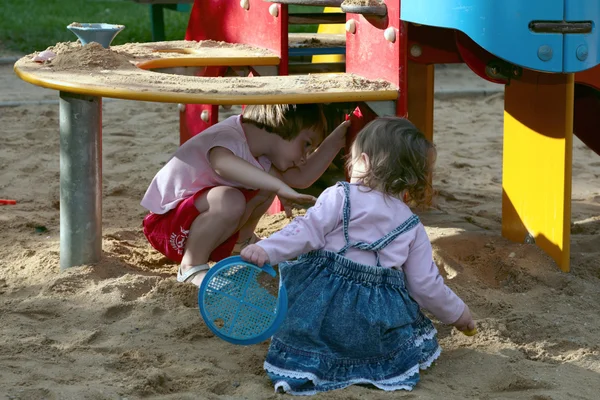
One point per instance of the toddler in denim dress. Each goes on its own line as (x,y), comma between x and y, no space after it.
(364,270)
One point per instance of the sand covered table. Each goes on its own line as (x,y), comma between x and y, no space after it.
(124,72)
(85,74)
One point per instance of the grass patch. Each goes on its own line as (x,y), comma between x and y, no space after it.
(33,25)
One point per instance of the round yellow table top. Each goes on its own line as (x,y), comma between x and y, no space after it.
(124,72)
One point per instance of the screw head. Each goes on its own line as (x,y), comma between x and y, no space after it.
(545,53)
(205,116)
(390,34)
(351,26)
(582,52)
(181,107)
(416,50)
(274,10)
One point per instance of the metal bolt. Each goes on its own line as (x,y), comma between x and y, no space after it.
(351,26)
(226,106)
(545,53)
(582,52)
(205,116)
(529,238)
(390,34)
(274,10)
(415,50)
(245,4)
(181,107)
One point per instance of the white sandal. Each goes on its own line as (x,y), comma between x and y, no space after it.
(191,273)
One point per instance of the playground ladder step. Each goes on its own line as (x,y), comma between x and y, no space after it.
(316,18)
(303,68)
(373,8)
(316,40)
(311,44)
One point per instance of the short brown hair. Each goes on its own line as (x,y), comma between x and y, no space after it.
(400,158)
(286,120)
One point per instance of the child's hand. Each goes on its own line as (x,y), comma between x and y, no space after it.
(289,197)
(465,321)
(338,136)
(255,254)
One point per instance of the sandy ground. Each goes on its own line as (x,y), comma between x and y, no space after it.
(123,329)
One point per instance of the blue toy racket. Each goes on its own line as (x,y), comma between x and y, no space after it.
(239,303)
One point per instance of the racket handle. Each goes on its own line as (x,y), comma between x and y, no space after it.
(4,202)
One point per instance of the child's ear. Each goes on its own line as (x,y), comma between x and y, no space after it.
(365,159)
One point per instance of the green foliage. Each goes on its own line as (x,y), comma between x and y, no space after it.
(33,25)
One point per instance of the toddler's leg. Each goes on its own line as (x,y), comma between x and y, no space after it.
(221,210)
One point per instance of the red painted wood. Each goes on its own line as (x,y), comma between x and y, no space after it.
(589,77)
(370,55)
(475,56)
(227,21)
(438,45)
(586,116)
(190,123)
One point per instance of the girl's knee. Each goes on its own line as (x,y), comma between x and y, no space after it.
(227,201)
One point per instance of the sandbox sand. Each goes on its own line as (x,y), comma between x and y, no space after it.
(124,329)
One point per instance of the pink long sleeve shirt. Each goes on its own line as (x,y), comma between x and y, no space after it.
(372,216)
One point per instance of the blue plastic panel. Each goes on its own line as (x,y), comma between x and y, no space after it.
(500,26)
(577,46)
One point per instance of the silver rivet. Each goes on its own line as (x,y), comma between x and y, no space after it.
(351,26)
(205,116)
(415,50)
(181,107)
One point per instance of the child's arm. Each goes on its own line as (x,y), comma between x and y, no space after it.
(427,287)
(303,234)
(317,163)
(233,168)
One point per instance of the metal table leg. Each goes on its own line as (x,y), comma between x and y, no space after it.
(80,179)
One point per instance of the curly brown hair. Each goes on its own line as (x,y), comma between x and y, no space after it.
(287,120)
(400,158)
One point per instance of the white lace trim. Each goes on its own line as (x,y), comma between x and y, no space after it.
(287,389)
(428,336)
(427,363)
(389,384)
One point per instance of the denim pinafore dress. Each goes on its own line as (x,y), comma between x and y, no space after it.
(349,323)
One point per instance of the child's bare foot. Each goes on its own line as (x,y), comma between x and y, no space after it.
(190,274)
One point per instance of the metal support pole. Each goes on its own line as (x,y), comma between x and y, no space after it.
(80,179)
